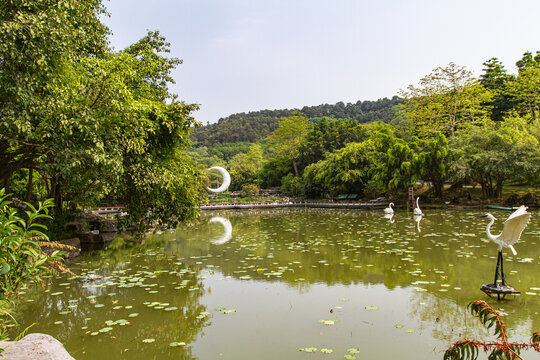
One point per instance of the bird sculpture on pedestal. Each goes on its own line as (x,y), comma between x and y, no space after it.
(513,227)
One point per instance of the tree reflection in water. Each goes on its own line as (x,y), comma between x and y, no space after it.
(430,276)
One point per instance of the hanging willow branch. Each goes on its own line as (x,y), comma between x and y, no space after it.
(500,349)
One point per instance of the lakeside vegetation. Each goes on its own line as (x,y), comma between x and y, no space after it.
(451,128)
(82,123)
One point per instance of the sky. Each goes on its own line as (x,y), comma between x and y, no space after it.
(248,55)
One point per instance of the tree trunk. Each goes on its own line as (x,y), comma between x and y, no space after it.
(498,189)
(438,186)
(29,187)
(296,173)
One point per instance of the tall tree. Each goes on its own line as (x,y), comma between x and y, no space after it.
(494,153)
(329,135)
(91,121)
(244,166)
(496,79)
(37,39)
(286,139)
(526,92)
(446,99)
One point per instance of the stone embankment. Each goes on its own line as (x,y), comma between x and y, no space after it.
(92,231)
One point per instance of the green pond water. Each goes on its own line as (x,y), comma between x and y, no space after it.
(266,284)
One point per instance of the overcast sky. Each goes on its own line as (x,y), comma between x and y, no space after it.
(241,55)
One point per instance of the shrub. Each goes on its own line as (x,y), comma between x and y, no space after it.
(249,189)
(21,258)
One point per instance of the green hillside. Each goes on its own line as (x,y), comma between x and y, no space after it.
(256,125)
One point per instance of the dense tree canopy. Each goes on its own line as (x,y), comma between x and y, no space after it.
(451,128)
(285,141)
(89,121)
(445,99)
(257,125)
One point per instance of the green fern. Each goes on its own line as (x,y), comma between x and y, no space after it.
(500,349)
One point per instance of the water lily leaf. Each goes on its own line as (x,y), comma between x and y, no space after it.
(94,333)
(99,305)
(57,293)
(148,341)
(132,315)
(58,322)
(105,329)
(229,311)
(309,349)
(372,308)
(171,308)
(327,351)
(219,308)
(349,357)
(409,330)
(399,326)
(353,351)
(175,344)
(344,299)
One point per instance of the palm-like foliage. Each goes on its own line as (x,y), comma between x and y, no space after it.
(500,349)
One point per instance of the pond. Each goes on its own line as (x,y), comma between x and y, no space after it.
(280,283)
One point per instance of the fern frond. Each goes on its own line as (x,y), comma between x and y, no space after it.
(489,317)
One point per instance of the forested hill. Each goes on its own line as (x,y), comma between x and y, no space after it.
(256,125)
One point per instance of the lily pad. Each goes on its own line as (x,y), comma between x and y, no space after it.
(148,340)
(105,329)
(309,349)
(372,308)
(353,351)
(176,344)
(327,351)
(132,315)
(399,326)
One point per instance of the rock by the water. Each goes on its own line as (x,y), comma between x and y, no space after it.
(94,231)
(35,347)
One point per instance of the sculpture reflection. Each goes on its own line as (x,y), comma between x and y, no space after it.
(418,218)
(390,217)
(227,233)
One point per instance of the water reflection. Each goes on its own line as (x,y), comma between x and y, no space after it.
(418,219)
(283,272)
(390,217)
(227,230)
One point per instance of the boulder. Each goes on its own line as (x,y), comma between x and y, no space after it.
(35,347)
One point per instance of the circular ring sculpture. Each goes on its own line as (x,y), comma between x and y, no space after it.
(226,179)
(227,227)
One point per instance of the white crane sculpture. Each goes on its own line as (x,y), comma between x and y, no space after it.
(513,227)
(417,210)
